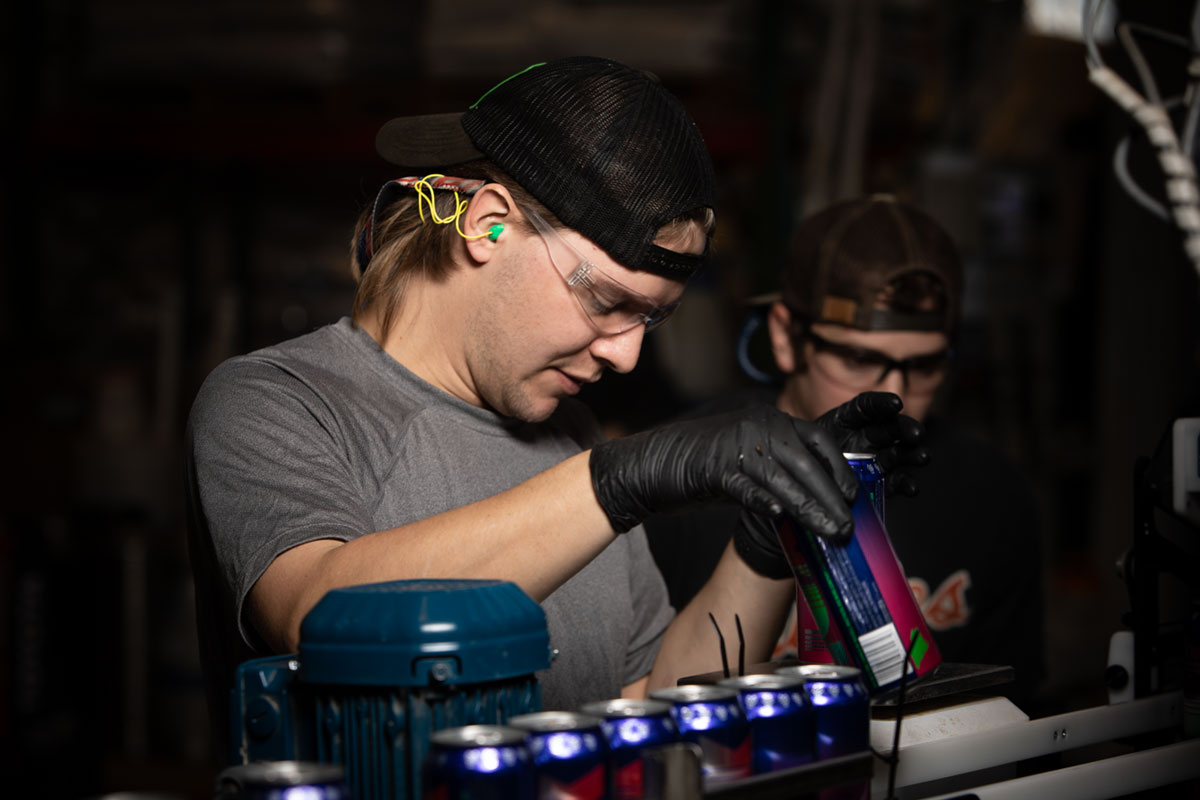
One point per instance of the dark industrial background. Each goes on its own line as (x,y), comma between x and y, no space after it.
(179,185)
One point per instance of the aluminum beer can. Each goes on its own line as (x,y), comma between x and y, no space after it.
(782,726)
(841,707)
(870,478)
(480,762)
(712,717)
(282,780)
(570,757)
(632,727)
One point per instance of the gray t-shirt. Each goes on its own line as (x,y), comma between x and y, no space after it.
(327,437)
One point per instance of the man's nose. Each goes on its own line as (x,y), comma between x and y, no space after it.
(620,351)
(894,381)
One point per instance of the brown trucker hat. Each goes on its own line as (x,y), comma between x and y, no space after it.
(843,258)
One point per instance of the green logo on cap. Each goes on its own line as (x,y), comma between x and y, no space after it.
(506,80)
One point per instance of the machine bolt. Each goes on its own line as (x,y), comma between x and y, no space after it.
(262,717)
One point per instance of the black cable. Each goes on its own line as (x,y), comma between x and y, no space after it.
(721,639)
(893,759)
(741,646)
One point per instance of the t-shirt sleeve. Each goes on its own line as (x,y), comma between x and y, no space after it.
(651,611)
(270,469)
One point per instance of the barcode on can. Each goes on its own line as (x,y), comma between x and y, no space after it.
(884,653)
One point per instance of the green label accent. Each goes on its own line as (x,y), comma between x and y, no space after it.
(920,648)
(813,596)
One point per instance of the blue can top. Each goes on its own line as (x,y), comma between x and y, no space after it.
(422,632)
(269,780)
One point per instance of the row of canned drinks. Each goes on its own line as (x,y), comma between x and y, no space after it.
(743,726)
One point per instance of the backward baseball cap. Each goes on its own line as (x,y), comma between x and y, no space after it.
(843,257)
(604,146)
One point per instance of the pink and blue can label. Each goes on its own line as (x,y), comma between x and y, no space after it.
(854,605)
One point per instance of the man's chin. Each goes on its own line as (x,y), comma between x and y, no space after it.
(530,409)
(541,416)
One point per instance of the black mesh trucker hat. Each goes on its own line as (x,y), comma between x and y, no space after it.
(604,146)
(842,257)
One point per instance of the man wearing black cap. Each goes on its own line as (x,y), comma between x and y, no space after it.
(528,245)
(870,301)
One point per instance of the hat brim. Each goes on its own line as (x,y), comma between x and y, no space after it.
(431,140)
(763,299)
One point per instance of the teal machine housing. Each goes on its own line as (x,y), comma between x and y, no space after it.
(382,666)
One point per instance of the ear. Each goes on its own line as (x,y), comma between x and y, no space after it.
(491,205)
(779,326)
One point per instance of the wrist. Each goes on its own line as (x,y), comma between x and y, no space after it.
(760,560)
(607,473)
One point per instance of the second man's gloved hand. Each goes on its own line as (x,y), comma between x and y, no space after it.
(764,459)
(756,540)
(872,423)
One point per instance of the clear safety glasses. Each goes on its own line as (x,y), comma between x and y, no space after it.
(611,306)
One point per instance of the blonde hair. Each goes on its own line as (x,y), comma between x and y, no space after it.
(406,248)
(680,228)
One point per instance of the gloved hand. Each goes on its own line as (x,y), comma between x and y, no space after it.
(764,459)
(872,423)
(756,540)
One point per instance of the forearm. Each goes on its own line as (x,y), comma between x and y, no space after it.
(537,535)
(691,646)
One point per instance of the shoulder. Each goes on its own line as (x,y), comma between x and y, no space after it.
(291,363)
(316,375)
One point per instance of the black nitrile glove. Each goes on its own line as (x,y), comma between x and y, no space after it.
(872,423)
(756,540)
(868,423)
(764,459)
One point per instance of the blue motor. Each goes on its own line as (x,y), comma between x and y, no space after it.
(381,667)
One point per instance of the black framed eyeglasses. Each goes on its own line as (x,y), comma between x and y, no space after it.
(863,368)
